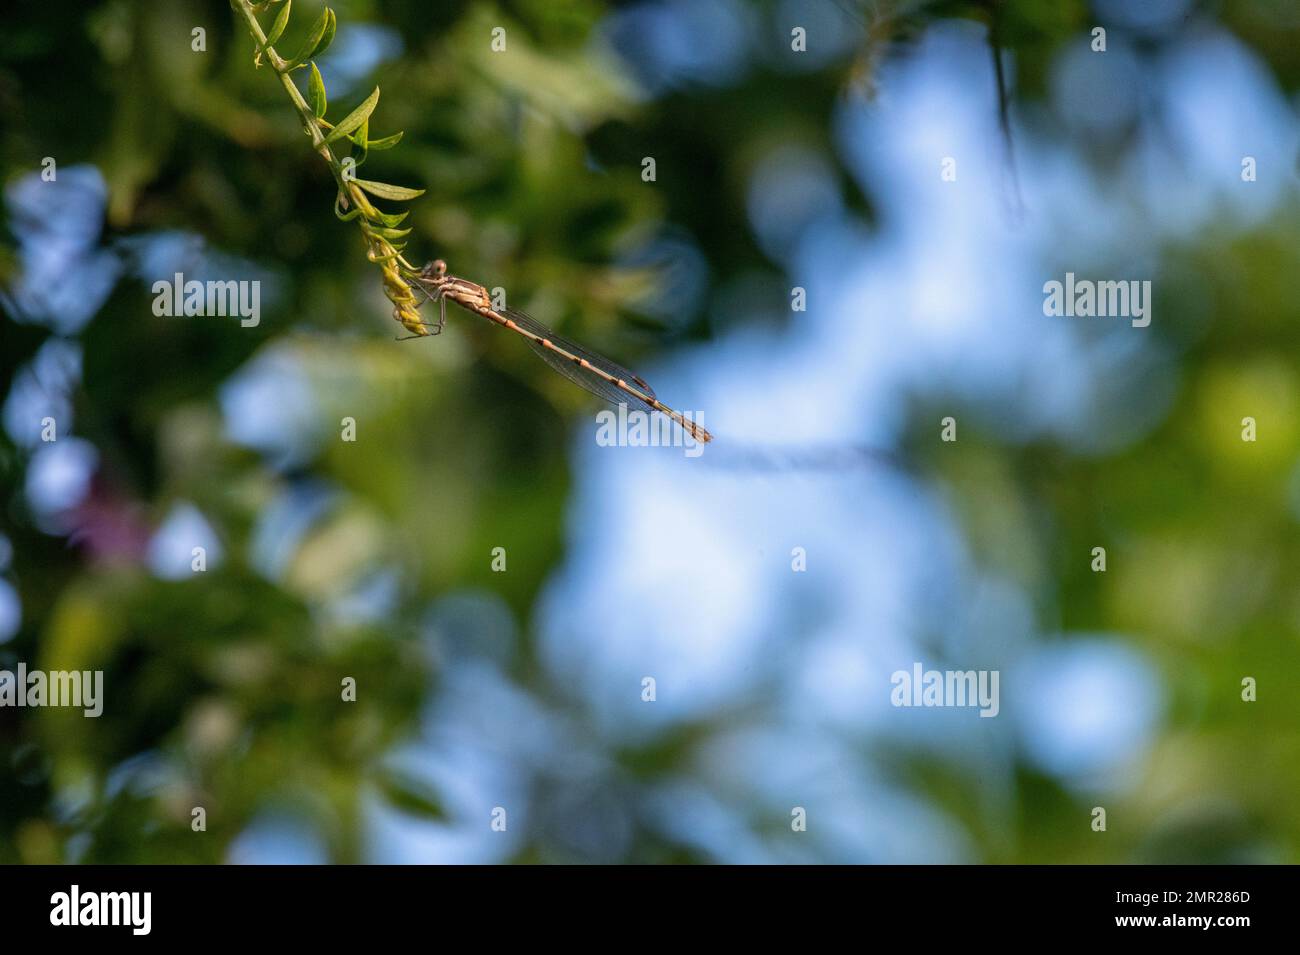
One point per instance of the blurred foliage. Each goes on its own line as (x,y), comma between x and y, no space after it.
(531,164)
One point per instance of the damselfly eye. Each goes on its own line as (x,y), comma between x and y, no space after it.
(439,267)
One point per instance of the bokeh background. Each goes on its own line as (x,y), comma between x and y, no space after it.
(522,689)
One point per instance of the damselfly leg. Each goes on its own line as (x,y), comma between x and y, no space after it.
(436,295)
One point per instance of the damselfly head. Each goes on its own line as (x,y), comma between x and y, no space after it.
(435,269)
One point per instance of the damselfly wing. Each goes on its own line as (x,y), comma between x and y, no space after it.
(600,376)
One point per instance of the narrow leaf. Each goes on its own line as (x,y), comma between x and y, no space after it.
(328,36)
(390,219)
(362,136)
(384,191)
(388,142)
(345,216)
(391,233)
(281,21)
(355,118)
(316,92)
(313,40)
(277,30)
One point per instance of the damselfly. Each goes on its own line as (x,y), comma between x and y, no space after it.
(600,376)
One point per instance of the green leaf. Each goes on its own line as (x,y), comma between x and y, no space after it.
(281,21)
(328,38)
(316,92)
(277,30)
(384,191)
(354,119)
(362,136)
(316,39)
(390,219)
(345,216)
(388,142)
(391,233)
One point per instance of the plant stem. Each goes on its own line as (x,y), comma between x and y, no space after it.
(379,249)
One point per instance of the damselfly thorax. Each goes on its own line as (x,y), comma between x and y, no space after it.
(599,375)
(436,281)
